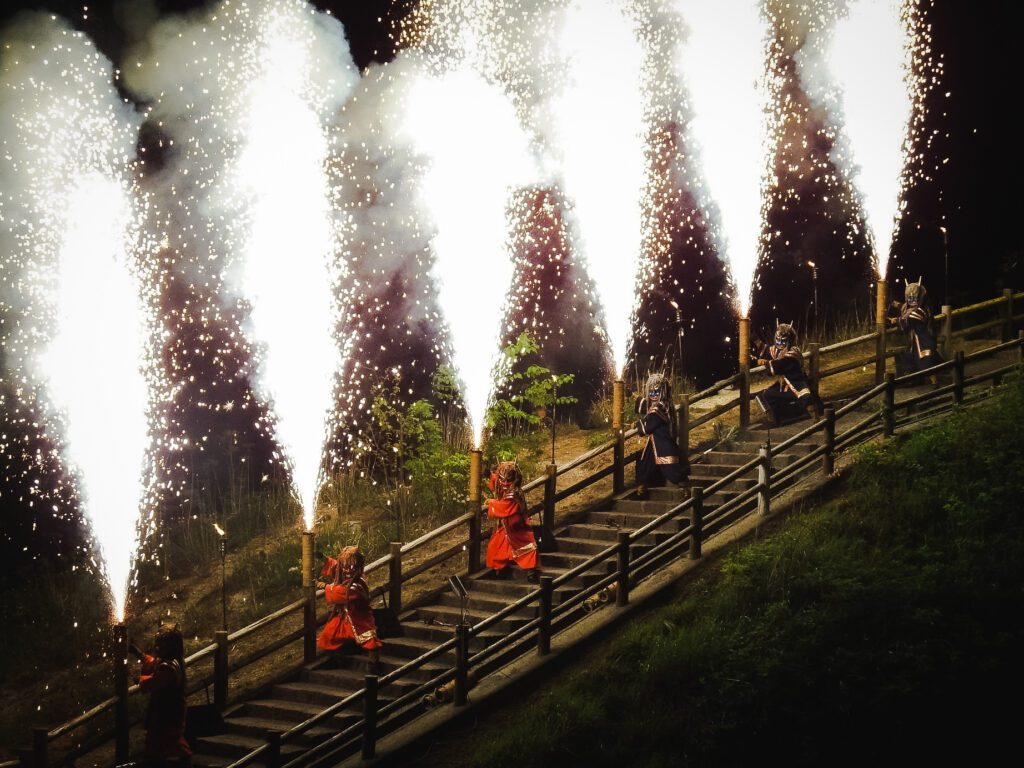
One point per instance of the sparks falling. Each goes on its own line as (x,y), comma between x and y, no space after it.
(722,60)
(600,149)
(475,154)
(82,335)
(249,93)
(877,97)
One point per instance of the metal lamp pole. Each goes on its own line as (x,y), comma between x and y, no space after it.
(554,405)
(223,575)
(945,251)
(814,282)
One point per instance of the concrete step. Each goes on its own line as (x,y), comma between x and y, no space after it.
(589,547)
(662,494)
(235,745)
(259,727)
(703,479)
(295,711)
(451,615)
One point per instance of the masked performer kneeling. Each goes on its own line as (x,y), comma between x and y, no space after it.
(352,617)
(915,319)
(660,459)
(512,540)
(790,395)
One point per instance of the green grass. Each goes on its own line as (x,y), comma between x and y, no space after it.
(883,625)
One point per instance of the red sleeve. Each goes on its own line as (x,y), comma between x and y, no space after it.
(502,507)
(336,593)
(156,675)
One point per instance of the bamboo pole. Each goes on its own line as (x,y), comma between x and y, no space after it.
(619,469)
(743,358)
(881,318)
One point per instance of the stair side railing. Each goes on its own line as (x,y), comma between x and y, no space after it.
(217,654)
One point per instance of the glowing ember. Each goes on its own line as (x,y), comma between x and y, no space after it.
(722,59)
(82,336)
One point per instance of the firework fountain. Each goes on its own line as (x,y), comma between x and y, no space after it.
(248,92)
(474,156)
(82,333)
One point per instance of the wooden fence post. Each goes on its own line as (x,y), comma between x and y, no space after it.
(370,717)
(1007,314)
(40,745)
(550,486)
(889,407)
(814,366)
(697,495)
(1020,347)
(947,331)
(622,591)
(309,625)
(547,586)
(395,577)
(880,348)
(120,657)
(683,423)
(461,665)
(958,378)
(273,750)
(220,670)
(764,480)
(473,505)
(828,460)
(743,358)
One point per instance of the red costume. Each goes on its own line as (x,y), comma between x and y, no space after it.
(512,539)
(352,618)
(163,678)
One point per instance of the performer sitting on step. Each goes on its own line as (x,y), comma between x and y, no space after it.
(660,459)
(512,540)
(349,596)
(789,396)
(915,319)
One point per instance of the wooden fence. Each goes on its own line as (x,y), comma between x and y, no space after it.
(614,565)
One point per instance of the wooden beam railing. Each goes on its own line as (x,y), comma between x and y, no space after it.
(211,652)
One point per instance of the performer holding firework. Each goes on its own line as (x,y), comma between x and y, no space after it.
(513,540)
(790,395)
(660,459)
(914,318)
(352,617)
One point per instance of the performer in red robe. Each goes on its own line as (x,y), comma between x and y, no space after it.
(163,677)
(352,617)
(512,540)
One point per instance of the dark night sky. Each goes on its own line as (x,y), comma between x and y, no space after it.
(977,192)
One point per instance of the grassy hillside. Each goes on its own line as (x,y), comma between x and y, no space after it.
(883,625)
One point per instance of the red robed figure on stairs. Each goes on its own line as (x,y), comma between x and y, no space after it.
(512,540)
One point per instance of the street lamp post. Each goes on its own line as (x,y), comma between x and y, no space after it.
(223,575)
(554,405)
(814,282)
(679,333)
(945,253)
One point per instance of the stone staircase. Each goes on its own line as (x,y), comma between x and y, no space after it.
(331,678)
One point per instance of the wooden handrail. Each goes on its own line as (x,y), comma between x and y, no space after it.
(715,388)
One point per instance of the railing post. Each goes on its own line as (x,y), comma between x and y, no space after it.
(947,330)
(764,481)
(549,496)
(958,378)
(395,577)
(273,750)
(473,505)
(881,317)
(308,626)
(619,456)
(622,591)
(40,746)
(889,406)
(120,657)
(743,353)
(547,584)
(461,665)
(828,461)
(697,497)
(1007,314)
(220,670)
(814,366)
(1020,347)
(683,424)
(370,717)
